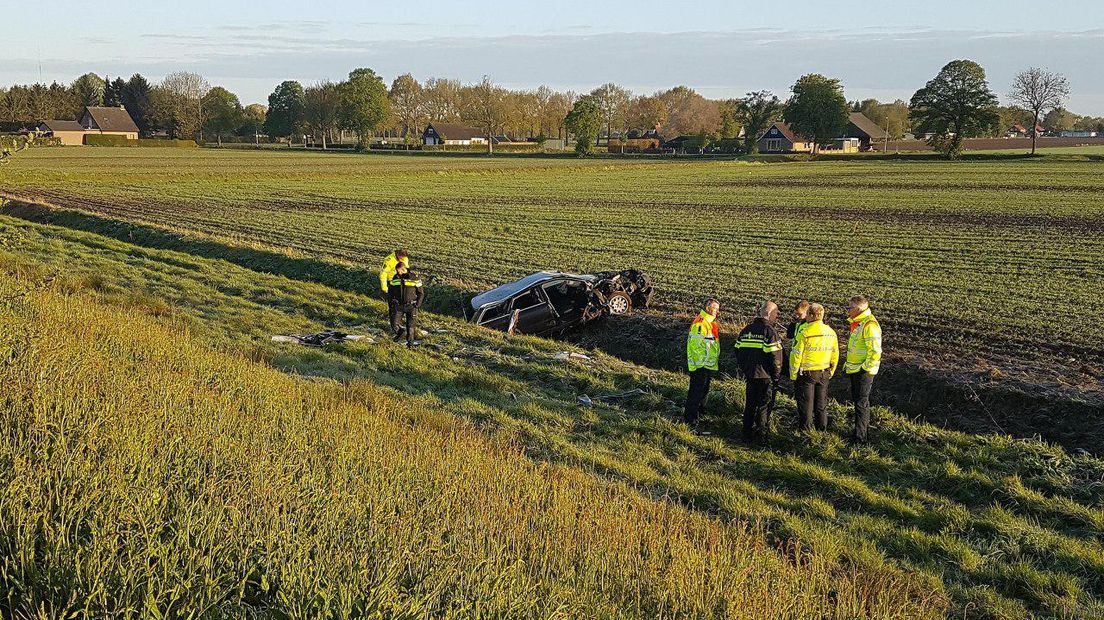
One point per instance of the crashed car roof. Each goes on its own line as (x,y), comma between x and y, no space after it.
(512,288)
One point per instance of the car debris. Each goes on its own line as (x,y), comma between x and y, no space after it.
(589,401)
(564,356)
(550,303)
(320,339)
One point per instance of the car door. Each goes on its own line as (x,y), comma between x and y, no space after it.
(534,314)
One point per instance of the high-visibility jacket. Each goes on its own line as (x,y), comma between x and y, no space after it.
(388,270)
(406,290)
(816,347)
(759,351)
(864,346)
(703,344)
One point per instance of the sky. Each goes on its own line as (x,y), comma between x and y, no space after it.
(882,49)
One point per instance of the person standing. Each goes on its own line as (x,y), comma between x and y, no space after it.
(703,352)
(759,355)
(406,295)
(813,361)
(801,310)
(864,357)
(387,272)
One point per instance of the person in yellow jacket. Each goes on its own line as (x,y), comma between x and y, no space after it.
(864,357)
(703,352)
(813,361)
(387,272)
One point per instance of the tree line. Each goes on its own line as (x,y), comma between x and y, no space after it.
(185,105)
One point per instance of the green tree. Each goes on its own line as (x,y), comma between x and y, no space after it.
(320,108)
(253,119)
(1059,119)
(136,100)
(363,104)
(1039,90)
(585,121)
(954,105)
(700,141)
(114,91)
(222,112)
(730,118)
(285,110)
(757,111)
(817,109)
(89,89)
(612,100)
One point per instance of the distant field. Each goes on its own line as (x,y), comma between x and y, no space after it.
(999,258)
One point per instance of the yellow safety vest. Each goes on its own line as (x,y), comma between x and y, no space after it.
(816,347)
(389,265)
(864,346)
(703,344)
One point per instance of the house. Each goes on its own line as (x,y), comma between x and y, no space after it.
(69,132)
(1019,131)
(778,138)
(867,131)
(112,121)
(452,133)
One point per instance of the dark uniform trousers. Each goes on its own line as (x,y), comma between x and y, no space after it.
(757,406)
(861,384)
(811,392)
(399,311)
(695,396)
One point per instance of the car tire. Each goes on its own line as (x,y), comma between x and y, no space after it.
(619,303)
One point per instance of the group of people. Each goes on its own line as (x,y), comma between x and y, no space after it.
(404,294)
(813,353)
(812,359)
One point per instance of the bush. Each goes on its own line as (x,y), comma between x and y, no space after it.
(165,143)
(18,140)
(102,139)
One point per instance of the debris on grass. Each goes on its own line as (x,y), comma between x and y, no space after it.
(320,339)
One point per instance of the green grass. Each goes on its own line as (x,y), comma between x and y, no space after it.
(950,252)
(1003,528)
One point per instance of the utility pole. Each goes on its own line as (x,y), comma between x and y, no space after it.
(885,149)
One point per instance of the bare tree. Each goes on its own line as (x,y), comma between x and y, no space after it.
(612,100)
(1038,90)
(408,102)
(320,105)
(488,108)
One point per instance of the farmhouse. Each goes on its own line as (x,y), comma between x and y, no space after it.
(778,138)
(69,132)
(452,133)
(113,121)
(866,130)
(94,120)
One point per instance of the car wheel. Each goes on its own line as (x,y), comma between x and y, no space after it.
(619,303)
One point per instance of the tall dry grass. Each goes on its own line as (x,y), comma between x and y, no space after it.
(144,475)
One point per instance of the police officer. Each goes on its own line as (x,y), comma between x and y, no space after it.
(405,294)
(703,351)
(759,355)
(813,361)
(801,310)
(864,356)
(387,272)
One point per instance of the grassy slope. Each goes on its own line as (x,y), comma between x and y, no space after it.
(1010,527)
(949,249)
(147,475)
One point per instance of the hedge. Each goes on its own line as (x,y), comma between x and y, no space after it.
(482,148)
(101,139)
(164,143)
(16,141)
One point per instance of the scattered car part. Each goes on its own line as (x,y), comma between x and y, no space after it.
(319,339)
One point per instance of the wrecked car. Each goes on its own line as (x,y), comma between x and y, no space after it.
(549,303)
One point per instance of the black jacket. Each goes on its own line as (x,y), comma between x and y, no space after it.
(406,290)
(759,351)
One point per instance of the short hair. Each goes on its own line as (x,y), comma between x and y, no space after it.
(401,253)
(401,268)
(801,306)
(816,312)
(710,302)
(766,308)
(860,302)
